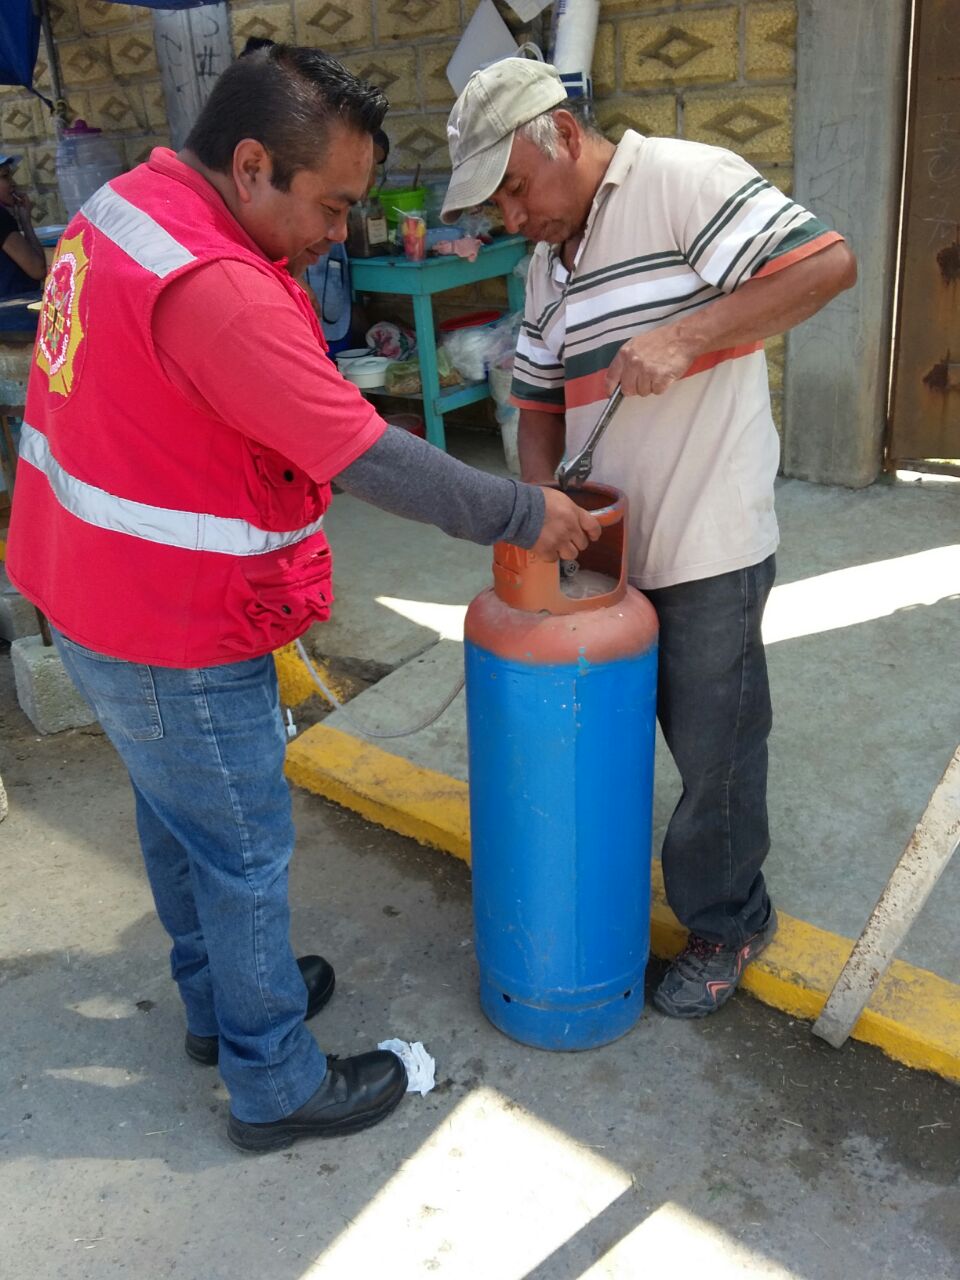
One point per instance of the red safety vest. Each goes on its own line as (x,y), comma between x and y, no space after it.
(143,527)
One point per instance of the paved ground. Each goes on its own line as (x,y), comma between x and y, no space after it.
(737,1147)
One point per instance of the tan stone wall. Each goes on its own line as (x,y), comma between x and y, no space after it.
(108,63)
(716,73)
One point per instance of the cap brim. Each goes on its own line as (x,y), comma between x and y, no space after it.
(476,179)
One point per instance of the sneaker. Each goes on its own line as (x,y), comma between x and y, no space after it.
(705,974)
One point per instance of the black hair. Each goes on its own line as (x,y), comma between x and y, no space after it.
(286,97)
(254,43)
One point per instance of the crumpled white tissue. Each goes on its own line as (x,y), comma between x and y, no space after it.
(420,1067)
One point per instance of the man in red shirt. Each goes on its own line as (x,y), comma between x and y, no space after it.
(182,429)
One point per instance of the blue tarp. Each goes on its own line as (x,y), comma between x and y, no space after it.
(19,41)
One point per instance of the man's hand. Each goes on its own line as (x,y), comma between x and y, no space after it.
(650,362)
(567,528)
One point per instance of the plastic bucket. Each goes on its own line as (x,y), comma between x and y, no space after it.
(402,200)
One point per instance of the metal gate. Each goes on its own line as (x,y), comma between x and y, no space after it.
(924,429)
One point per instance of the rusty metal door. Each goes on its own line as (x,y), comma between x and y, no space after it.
(925,413)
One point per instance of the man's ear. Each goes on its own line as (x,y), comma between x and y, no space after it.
(252,168)
(571,135)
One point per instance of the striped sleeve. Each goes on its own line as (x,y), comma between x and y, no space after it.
(538,376)
(740,223)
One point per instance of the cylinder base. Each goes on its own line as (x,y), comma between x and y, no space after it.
(562,1029)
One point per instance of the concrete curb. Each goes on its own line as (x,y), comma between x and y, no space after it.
(914,1015)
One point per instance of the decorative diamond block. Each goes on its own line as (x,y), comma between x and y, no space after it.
(118,109)
(407,19)
(696,48)
(781,176)
(771,41)
(134,54)
(85,62)
(137,150)
(266,21)
(41,74)
(393,72)
(21,120)
(757,125)
(434,84)
(155,106)
(655,116)
(102,15)
(43,162)
(605,60)
(64,19)
(420,139)
(333,24)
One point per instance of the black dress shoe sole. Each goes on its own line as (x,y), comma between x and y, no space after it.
(205,1050)
(259,1139)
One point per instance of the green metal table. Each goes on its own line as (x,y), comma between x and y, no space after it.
(420,281)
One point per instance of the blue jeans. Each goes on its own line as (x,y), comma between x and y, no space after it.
(713,704)
(204,748)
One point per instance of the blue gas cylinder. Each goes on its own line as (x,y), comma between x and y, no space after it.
(561,713)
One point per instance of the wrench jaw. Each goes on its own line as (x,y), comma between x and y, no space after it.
(575,473)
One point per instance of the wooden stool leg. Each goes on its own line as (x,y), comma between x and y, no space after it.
(45,635)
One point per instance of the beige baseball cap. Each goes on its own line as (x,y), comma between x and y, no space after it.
(494,104)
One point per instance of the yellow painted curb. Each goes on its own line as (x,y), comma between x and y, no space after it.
(295,681)
(428,806)
(914,1015)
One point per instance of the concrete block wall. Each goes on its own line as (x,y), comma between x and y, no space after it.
(718,73)
(111,79)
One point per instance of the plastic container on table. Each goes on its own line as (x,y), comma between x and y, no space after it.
(86,159)
(400,200)
(366,372)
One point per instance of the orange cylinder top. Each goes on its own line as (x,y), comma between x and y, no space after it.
(527,617)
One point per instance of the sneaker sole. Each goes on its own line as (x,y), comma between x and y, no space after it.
(253,1140)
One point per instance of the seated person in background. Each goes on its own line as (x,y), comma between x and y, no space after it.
(22,261)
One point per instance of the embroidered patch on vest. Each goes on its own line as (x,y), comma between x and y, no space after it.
(60,332)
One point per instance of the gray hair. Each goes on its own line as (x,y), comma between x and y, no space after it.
(542,130)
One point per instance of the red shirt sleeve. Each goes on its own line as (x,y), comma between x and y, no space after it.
(235,344)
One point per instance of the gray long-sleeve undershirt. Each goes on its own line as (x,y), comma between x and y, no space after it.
(411,478)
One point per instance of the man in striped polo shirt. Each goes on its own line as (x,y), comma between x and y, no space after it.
(661,266)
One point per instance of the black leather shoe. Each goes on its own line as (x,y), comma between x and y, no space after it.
(320,981)
(355,1094)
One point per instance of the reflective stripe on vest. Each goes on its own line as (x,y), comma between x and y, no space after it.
(185,529)
(135,232)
